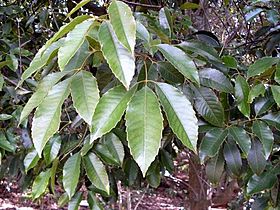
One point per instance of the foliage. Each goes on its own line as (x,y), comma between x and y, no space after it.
(114,97)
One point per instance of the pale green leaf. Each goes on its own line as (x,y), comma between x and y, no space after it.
(31,160)
(96,172)
(189,5)
(40,183)
(74,203)
(109,110)
(241,137)
(1,82)
(276,93)
(47,116)
(165,20)
(144,124)
(277,73)
(265,135)
(212,142)
(71,174)
(4,117)
(42,91)
(261,65)
(119,58)
(73,42)
(51,150)
(77,7)
(123,23)
(85,94)
(142,32)
(180,61)
(180,114)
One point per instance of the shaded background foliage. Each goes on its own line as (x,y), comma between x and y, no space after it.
(235,45)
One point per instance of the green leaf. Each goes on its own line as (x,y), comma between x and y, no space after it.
(96,172)
(71,174)
(215,168)
(123,23)
(215,79)
(42,91)
(47,116)
(272,119)
(276,93)
(242,93)
(212,142)
(180,114)
(94,204)
(4,117)
(52,149)
(277,73)
(208,106)
(31,160)
(153,174)
(241,137)
(265,135)
(12,62)
(119,58)
(41,59)
(85,94)
(252,14)
(180,61)
(259,183)
(6,145)
(77,7)
(144,124)
(110,149)
(2,82)
(165,20)
(261,65)
(169,73)
(230,61)
(73,42)
(256,158)
(256,91)
(233,158)
(74,203)
(109,110)
(189,5)
(142,32)
(131,170)
(40,183)
(263,104)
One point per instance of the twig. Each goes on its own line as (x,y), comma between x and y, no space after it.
(19,45)
(151,6)
(136,206)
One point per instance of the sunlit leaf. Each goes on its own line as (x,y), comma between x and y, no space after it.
(40,183)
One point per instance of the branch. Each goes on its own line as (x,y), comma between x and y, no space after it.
(155,7)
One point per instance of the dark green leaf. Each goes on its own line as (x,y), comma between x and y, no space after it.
(241,137)
(93,202)
(263,104)
(259,183)
(276,93)
(256,91)
(230,61)
(261,66)
(233,158)
(256,158)
(241,93)
(215,168)
(272,119)
(169,73)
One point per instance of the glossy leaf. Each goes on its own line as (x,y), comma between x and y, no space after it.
(165,20)
(42,91)
(265,135)
(276,93)
(180,61)
(52,149)
(85,94)
(123,23)
(215,168)
(256,158)
(212,142)
(256,91)
(272,119)
(144,124)
(142,32)
(109,110)
(241,93)
(96,172)
(180,114)
(232,158)
(241,137)
(71,174)
(47,116)
(73,42)
(261,65)
(215,79)
(263,104)
(74,203)
(208,106)
(119,58)
(259,183)
(40,183)
(31,160)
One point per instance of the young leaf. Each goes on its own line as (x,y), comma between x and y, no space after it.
(30,160)
(256,158)
(265,135)
(261,65)
(144,124)
(85,94)
(40,183)
(215,79)
(109,110)
(180,114)
(180,61)
(276,93)
(47,116)
(123,23)
(241,137)
(241,93)
(73,42)
(71,174)
(208,106)
(215,168)
(119,58)
(232,157)
(42,91)
(74,203)
(96,172)
(259,183)
(212,142)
